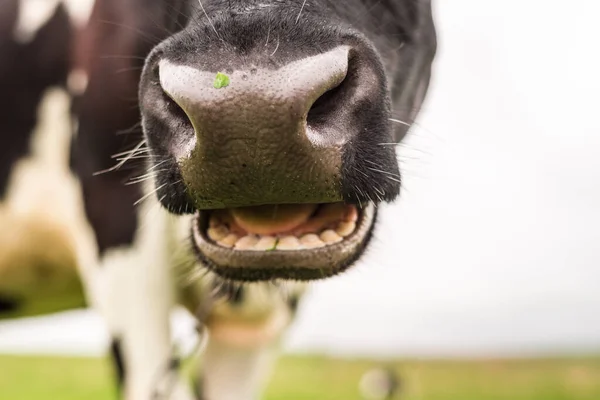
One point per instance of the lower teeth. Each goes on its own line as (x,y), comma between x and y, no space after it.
(289,243)
(220,233)
(229,240)
(330,236)
(266,243)
(246,243)
(311,241)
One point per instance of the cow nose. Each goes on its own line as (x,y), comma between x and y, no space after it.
(263,135)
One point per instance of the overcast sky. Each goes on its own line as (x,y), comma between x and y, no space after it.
(494,246)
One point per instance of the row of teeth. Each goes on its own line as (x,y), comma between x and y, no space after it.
(221,235)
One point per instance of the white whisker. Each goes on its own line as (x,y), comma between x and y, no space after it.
(362,172)
(149,174)
(398,121)
(276,47)
(123,161)
(379,192)
(389,175)
(144,157)
(157,164)
(130,152)
(268,34)
(372,163)
(209,21)
(301,9)
(149,194)
(139,180)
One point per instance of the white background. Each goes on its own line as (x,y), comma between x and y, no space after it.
(494,248)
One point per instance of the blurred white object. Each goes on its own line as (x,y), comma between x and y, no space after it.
(379,384)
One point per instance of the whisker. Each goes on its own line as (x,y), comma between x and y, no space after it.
(372,162)
(268,34)
(380,194)
(135,128)
(158,25)
(138,181)
(420,127)
(389,175)
(149,194)
(131,152)
(158,164)
(276,47)
(123,70)
(362,172)
(120,56)
(137,157)
(407,146)
(300,13)
(121,162)
(384,172)
(150,38)
(146,175)
(209,21)
(398,121)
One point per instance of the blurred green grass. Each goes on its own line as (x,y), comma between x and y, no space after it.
(321,378)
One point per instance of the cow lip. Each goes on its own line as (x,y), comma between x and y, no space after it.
(304,264)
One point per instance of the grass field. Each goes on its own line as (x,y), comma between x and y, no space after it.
(319,378)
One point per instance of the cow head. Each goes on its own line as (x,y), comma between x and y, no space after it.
(271,121)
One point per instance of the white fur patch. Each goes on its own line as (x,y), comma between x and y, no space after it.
(34,14)
(42,183)
(79,11)
(77,81)
(42,187)
(38,182)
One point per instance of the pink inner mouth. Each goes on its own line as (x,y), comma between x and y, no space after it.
(285,219)
(282,227)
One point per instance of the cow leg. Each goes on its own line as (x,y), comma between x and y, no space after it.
(236,373)
(244,333)
(145,330)
(128,279)
(135,296)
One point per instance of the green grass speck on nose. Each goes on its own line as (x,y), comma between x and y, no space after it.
(221,80)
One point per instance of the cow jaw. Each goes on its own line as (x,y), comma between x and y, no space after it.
(297,242)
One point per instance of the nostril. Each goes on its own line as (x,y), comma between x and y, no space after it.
(167,102)
(175,109)
(176,121)
(329,106)
(325,106)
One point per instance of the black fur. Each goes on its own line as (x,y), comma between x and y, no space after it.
(9,304)
(26,71)
(118,360)
(111,49)
(386,34)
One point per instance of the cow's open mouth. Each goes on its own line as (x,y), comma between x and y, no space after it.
(288,241)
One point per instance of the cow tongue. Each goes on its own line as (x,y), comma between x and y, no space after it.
(272,219)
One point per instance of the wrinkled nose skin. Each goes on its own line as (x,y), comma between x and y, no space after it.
(255,142)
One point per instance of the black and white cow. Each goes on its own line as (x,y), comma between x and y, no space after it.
(266,144)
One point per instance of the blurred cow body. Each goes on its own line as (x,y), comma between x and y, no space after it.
(39,195)
(73,73)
